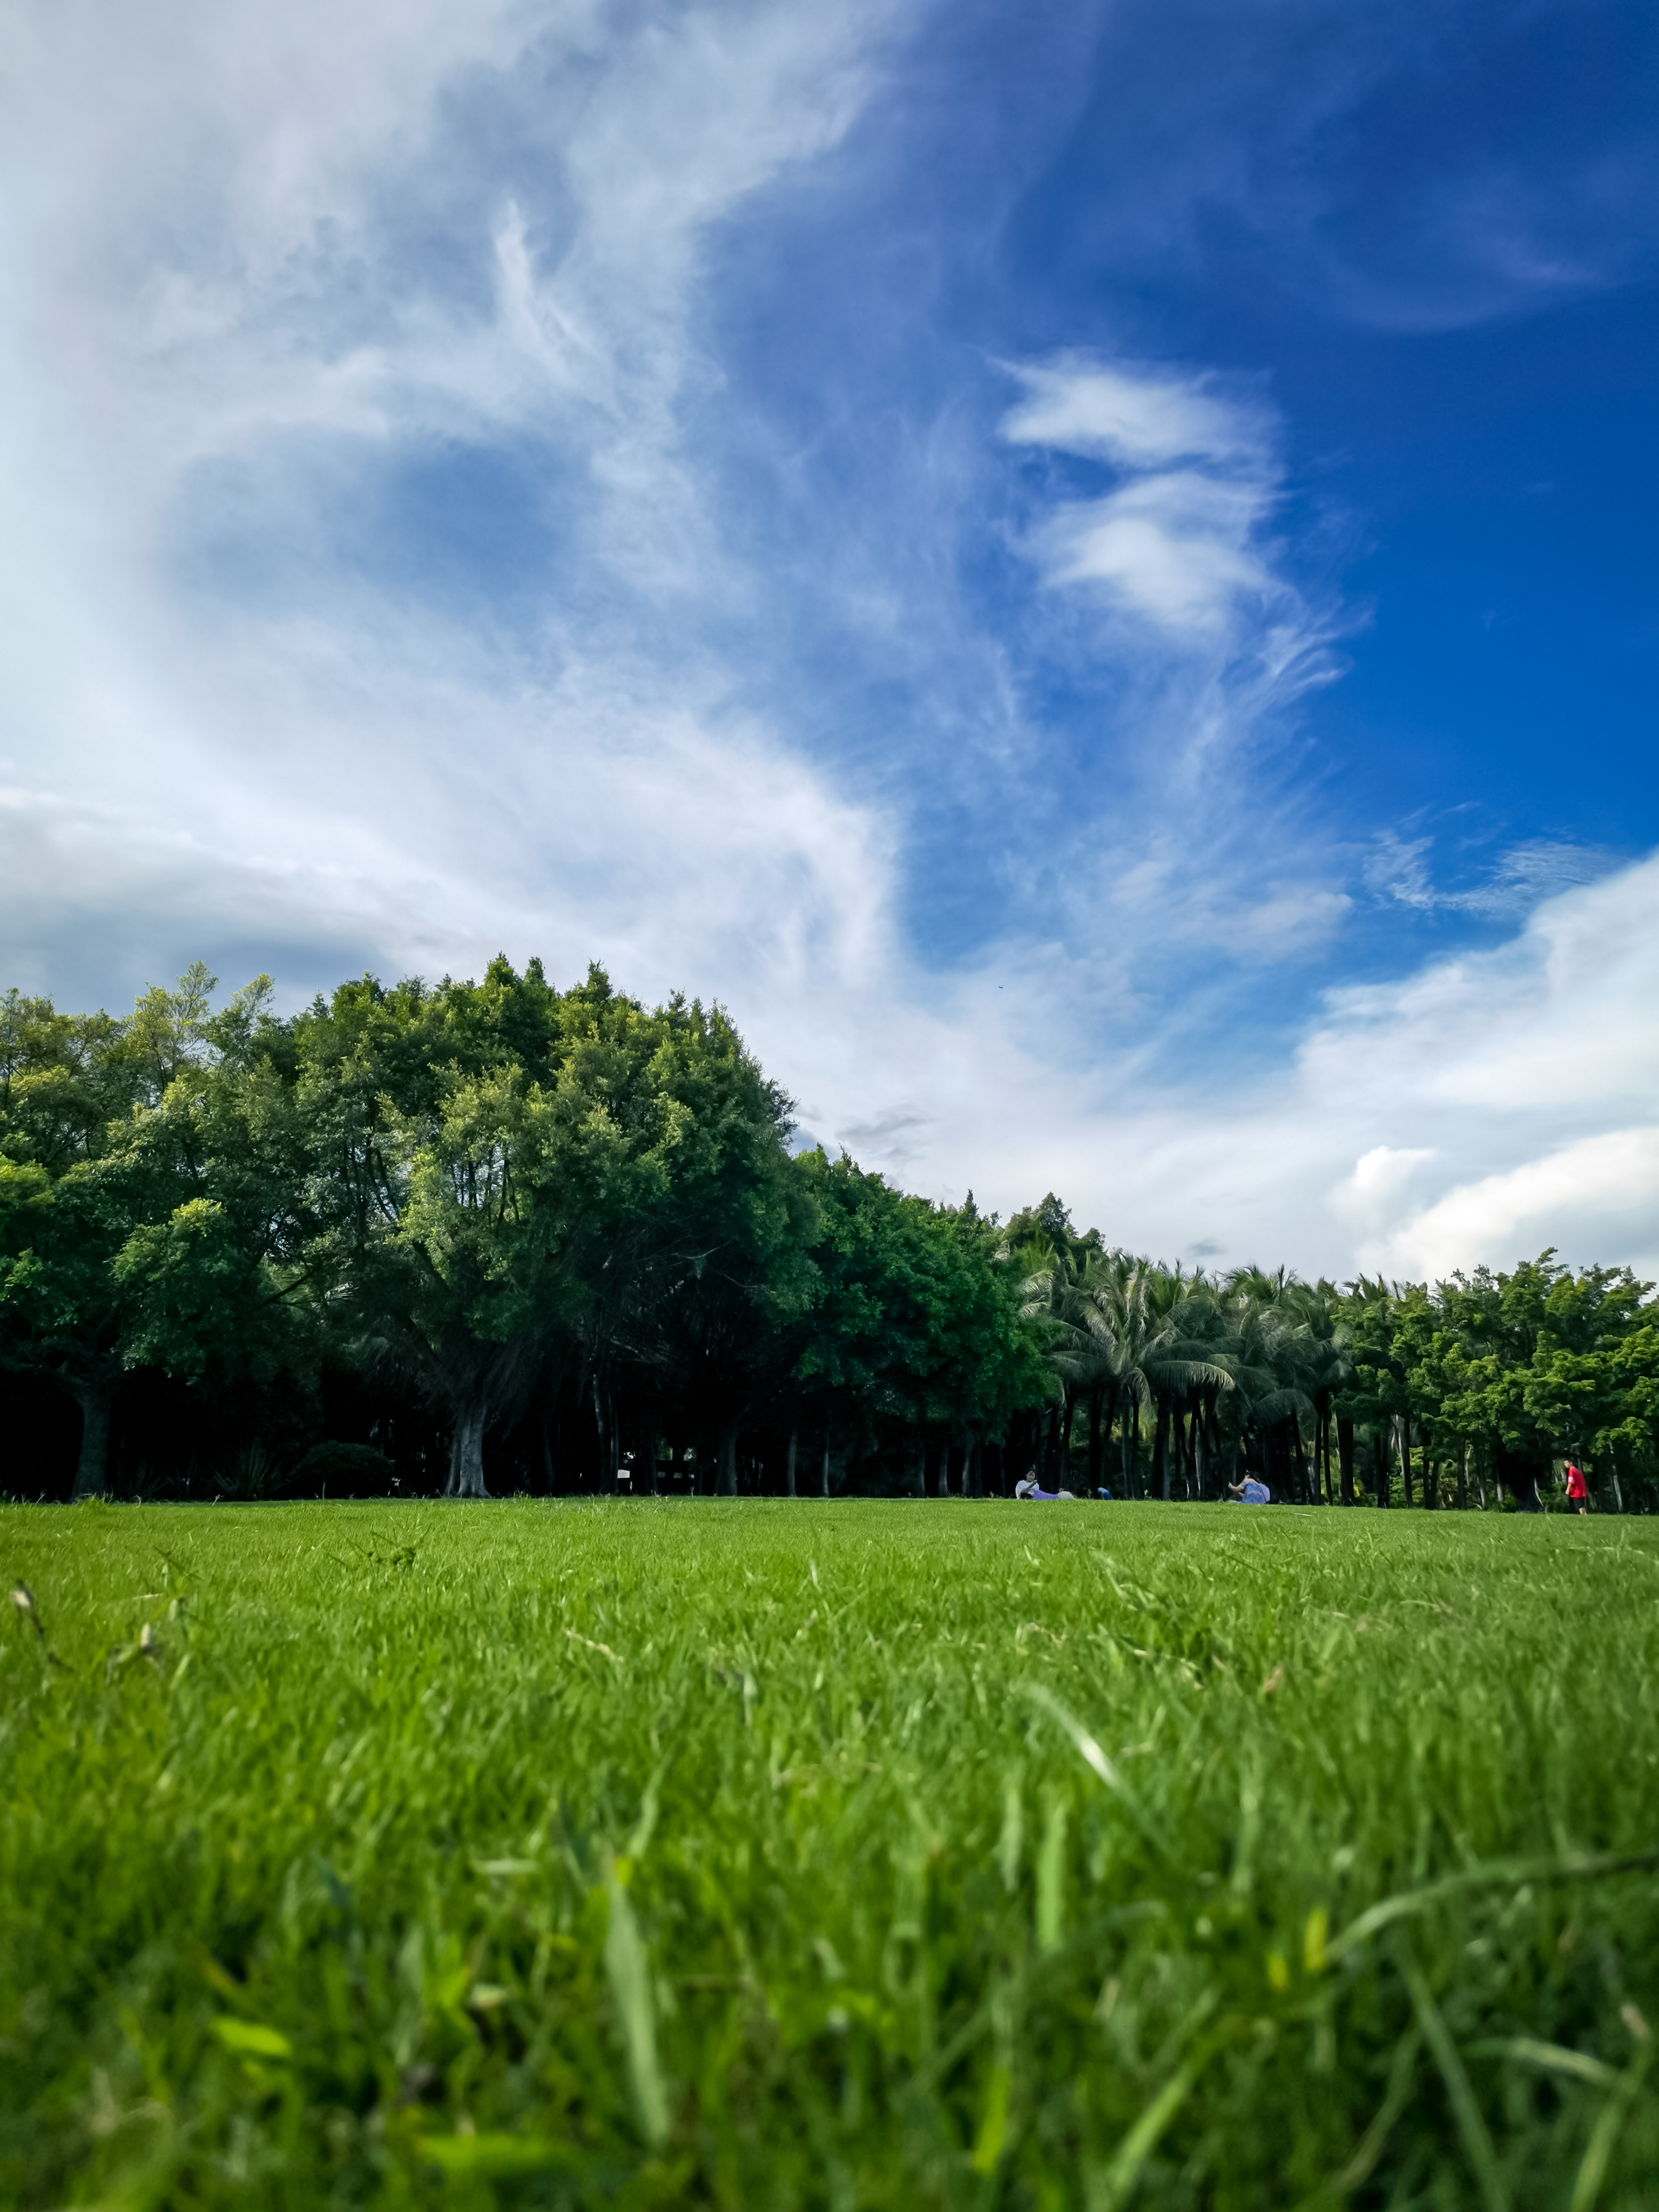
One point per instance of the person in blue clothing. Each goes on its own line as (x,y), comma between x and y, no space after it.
(1250,1492)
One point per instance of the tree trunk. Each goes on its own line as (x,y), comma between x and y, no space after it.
(1345,1456)
(95,1398)
(1200,1452)
(1161,1450)
(601,1442)
(1518,1475)
(973,1467)
(727,1481)
(1405,1458)
(789,1464)
(1380,1464)
(466,1454)
(823,1474)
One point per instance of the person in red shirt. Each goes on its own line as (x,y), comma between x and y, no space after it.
(1577,1493)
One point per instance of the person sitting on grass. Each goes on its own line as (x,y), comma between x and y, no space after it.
(1250,1492)
(1029,1488)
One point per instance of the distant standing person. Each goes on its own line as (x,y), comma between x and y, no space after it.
(1250,1492)
(1577,1490)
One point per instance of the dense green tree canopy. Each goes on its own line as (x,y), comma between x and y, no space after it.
(566,1231)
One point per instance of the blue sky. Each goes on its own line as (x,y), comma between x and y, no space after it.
(1088,570)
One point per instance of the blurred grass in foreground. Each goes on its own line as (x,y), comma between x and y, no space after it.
(774,1854)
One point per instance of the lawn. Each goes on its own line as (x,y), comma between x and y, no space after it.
(843,1854)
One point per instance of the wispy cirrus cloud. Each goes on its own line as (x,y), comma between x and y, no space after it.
(369,569)
(1398,870)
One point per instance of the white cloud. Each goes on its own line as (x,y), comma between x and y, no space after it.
(1180,543)
(1373,1193)
(1137,418)
(1175,548)
(1472,1112)
(1397,872)
(207,259)
(1599,1192)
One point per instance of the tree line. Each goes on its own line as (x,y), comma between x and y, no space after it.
(475,1237)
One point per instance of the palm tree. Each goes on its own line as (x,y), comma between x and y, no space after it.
(1130,1334)
(1056,1291)
(1270,1336)
(1328,1369)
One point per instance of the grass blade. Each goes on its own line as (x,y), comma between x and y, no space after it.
(1477,2144)
(628,1970)
(1593,2172)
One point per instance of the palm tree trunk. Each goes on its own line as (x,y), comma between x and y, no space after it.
(1198,1454)
(1380,1464)
(1344,1455)
(1161,1449)
(823,1471)
(1094,1440)
(1405,1456)
(727,1481)
(789,1464)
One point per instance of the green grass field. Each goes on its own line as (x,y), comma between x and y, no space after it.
(878,1855)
